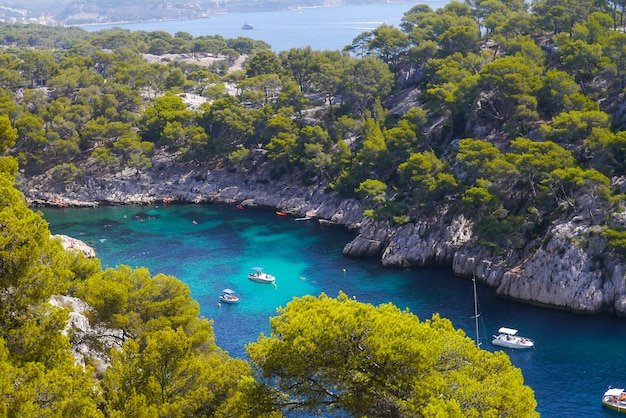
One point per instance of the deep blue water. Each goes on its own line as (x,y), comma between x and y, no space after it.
(323,28)
(212,247)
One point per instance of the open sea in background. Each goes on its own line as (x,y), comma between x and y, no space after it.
(321,28)
(212,247)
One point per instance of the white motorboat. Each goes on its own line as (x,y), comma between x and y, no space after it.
(508,338)
(229,296)
(258,275)
(615,399)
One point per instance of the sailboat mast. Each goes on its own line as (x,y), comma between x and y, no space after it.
(476,314)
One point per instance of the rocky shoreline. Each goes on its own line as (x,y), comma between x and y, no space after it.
(568,269)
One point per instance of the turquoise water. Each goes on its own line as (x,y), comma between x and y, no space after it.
(212,247)
(323,28)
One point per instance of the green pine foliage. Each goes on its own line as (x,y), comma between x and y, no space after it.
(515,121)
(164,363)
(320,359)
(544,93)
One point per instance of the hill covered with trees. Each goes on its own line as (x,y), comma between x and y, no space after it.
(495,116)
(513,130)
(161,360)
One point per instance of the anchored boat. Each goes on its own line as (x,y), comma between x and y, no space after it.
(229,296)
(258,275)
(615,399)
(508,338)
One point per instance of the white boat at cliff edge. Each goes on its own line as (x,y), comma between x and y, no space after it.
(508,338)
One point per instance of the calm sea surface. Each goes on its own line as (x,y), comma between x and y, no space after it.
(323,28)
(212,247)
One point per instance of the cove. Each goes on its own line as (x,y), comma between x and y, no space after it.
(212,247)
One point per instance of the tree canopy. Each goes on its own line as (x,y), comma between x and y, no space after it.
(507,114)
(326,355)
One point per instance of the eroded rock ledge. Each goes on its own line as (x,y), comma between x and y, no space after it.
(70,243)
(569,269)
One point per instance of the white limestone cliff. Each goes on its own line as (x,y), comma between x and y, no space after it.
(570,269)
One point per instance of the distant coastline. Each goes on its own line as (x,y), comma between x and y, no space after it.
(117,12)
(321,28)
(131,22)
(227,13)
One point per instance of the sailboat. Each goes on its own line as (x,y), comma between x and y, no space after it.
(507,336)
(476,314)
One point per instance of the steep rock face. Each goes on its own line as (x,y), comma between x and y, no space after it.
(560,273)
(427,242)
(83,334)
(570,269)
(372,239)
(615,289)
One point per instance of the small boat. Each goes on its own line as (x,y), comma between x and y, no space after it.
(240,206)
(258,275)
(615,399)
(281,213)
(229,296)
(247,26)
(305,218)
(508,338)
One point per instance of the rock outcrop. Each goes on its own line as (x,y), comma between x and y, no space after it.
(569,269)
(82,334)
(70,243)
(565,272)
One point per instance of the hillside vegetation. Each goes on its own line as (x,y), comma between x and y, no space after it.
(516,119)
(516,122)
(151,355)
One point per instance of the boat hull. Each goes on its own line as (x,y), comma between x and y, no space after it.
(619,407)
(263,278)
(615,399)
(229,300)
(513,344)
